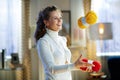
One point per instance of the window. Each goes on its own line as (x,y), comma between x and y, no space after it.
(10,26)
(108,11)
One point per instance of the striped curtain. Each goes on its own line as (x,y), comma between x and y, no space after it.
(27,72)
(90,44)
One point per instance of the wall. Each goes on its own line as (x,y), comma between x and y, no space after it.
(37,5)
(78,36)
(76,51)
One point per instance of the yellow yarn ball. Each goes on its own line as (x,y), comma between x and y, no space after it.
(91,17)
(80,24)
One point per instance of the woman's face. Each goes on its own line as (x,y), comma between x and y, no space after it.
(55,21)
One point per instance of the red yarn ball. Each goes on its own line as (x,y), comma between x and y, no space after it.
(95,68)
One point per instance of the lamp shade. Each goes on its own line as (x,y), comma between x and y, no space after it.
(100,31)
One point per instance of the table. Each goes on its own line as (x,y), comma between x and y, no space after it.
(97,76)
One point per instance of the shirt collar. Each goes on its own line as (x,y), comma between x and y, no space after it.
(52,33)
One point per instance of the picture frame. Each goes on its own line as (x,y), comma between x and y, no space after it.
(14,58)
(66,26)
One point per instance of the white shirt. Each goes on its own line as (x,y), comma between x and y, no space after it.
(53,52)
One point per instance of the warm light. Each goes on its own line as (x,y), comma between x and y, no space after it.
(101,28)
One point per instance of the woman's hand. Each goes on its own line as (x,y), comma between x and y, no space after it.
(79,63)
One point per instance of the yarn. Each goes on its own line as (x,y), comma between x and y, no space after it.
(95,68)
(89,19)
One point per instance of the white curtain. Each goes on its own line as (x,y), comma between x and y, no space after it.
(108,11)
(10,25)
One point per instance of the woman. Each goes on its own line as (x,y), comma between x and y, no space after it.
(52,48)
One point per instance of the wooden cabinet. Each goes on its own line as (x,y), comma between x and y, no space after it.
(11,74)
(7,74)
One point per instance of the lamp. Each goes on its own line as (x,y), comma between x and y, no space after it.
(100,31)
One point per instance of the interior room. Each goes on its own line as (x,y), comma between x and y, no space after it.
(100,41)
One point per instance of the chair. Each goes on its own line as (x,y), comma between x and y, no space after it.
(114,67)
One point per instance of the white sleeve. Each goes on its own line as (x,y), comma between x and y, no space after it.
(45,54)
